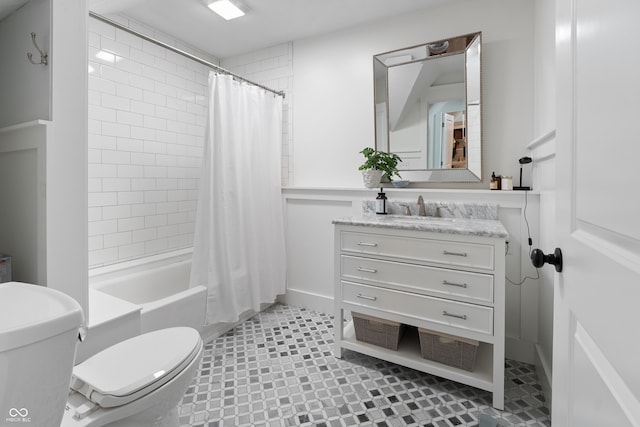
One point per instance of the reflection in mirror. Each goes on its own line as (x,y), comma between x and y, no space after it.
(428,108)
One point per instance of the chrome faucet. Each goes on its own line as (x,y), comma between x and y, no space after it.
(421,210)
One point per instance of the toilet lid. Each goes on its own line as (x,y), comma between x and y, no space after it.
(133,368)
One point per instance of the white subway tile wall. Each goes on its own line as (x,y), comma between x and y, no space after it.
(147,108)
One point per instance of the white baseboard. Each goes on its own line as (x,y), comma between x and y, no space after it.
(211,332)
(543,369)
(311,301)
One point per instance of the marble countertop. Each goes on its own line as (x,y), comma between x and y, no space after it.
(464,226)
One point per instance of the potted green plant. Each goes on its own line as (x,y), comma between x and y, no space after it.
(377,164)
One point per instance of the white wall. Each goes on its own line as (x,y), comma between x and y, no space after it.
(331,101)
(147,108)
(328,86)
(543,153)
(67,152)
(333,88)
(24,87)
(56,148)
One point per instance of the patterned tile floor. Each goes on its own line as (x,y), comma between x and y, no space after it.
(278,369)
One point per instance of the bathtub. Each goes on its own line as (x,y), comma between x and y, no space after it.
(159,285)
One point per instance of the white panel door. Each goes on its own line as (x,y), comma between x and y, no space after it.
(447,140)
(596,354)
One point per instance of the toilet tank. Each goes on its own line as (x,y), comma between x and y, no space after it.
(38,337)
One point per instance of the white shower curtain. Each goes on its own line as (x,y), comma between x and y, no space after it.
(239,248)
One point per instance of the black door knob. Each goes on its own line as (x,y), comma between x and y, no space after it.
(538,259)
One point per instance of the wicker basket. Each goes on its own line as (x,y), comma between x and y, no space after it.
(448,349)
(374,330)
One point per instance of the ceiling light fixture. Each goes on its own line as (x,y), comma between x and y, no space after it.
(226,9)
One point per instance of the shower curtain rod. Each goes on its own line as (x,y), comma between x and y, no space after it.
(180,52)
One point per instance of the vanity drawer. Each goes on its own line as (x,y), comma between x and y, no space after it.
(458,314)
(473,287)
(440,251)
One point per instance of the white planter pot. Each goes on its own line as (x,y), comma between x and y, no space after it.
(371,178)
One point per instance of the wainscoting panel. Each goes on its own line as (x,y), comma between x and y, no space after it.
(23,189)
(310,251)
(544,167)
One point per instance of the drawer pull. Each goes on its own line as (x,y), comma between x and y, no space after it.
(373,245)
(366,270)
(463,254)
(457,316)
(367,297)
(460,285)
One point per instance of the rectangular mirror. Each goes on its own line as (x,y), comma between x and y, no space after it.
(428,109)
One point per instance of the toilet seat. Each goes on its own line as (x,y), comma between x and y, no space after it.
(113,378)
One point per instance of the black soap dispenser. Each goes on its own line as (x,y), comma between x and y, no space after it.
(381,203)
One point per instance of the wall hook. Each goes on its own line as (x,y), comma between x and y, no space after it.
(43,56)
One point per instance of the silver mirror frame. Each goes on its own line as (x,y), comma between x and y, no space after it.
(473,104)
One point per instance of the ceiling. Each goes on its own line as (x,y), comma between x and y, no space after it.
(266,23)
(8,6)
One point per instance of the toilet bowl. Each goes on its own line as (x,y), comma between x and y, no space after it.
(38,338)
(137,382)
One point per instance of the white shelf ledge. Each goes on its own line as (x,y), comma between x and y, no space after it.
(409,355)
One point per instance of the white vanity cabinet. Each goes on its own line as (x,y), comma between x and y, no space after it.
(446,276)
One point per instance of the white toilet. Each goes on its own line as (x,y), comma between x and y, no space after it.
(137,382)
